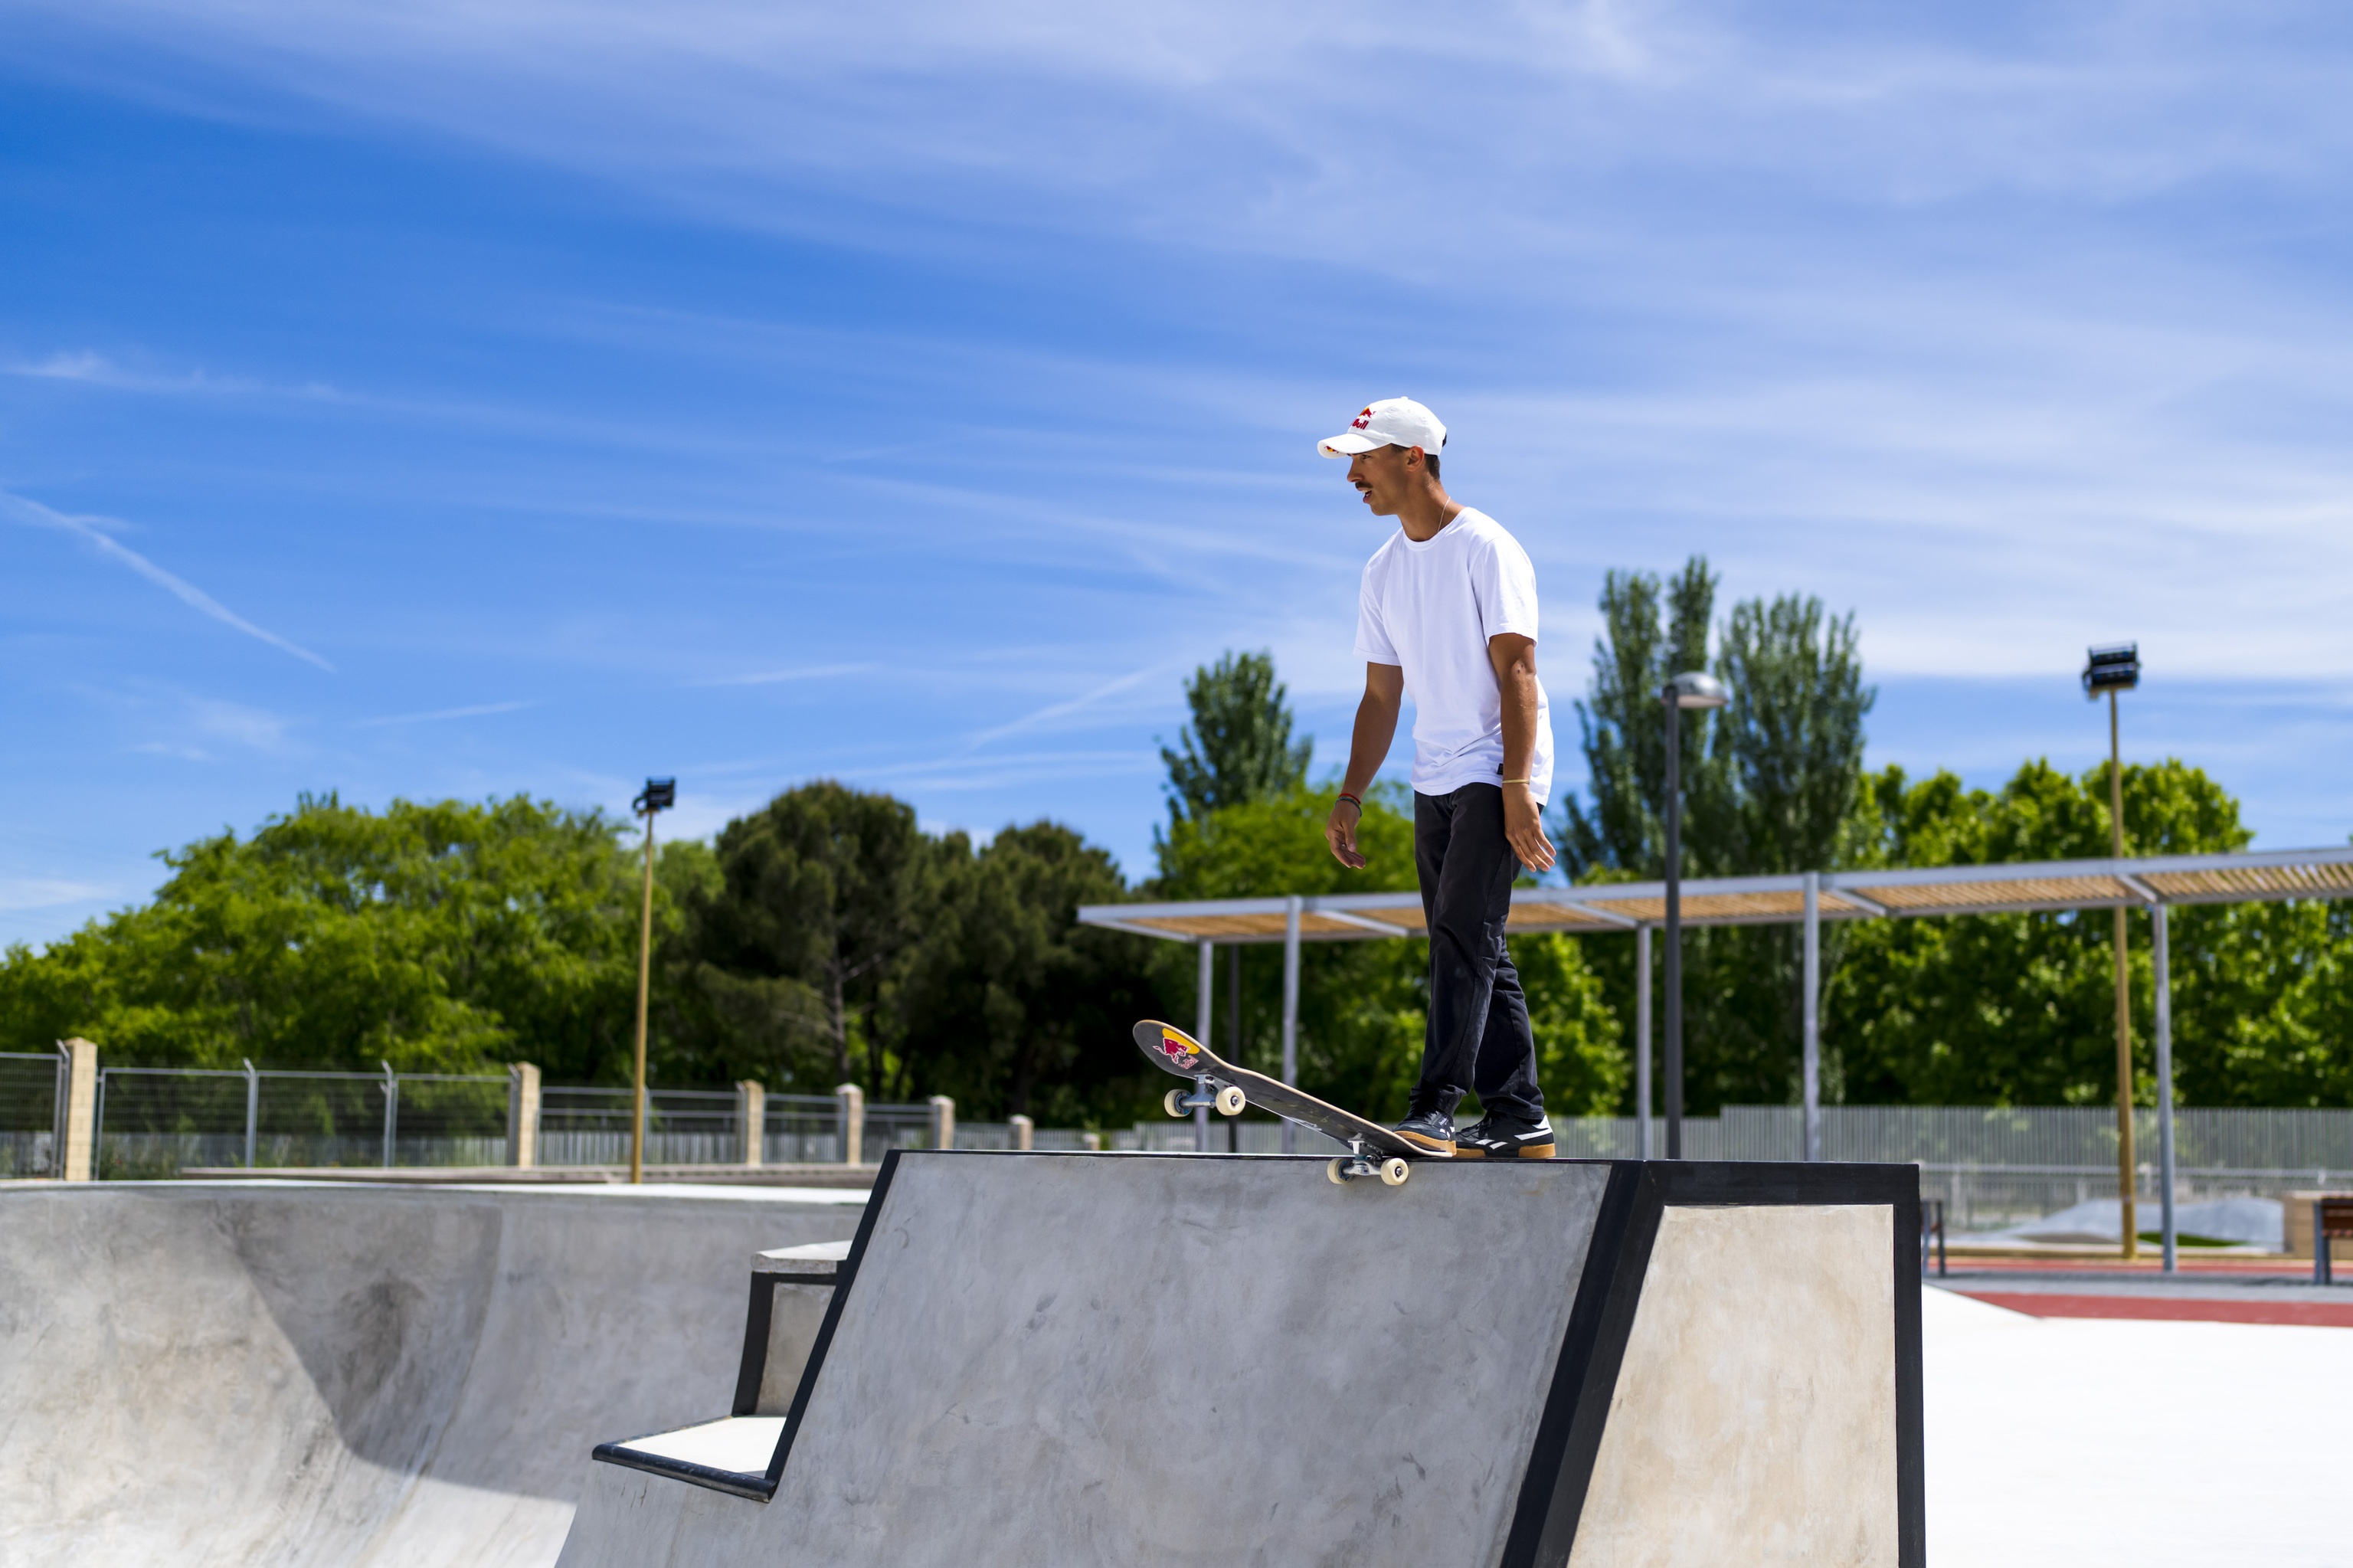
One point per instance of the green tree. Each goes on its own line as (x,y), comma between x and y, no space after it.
(1360,1003)
(2019,1009)
(821,898)
(1010,1005)
(1624,732)
(442,937)
(1239,746)
(1791,738)
(1771,783)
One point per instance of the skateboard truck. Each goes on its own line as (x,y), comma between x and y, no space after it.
(1228,1101)
(1356,1162)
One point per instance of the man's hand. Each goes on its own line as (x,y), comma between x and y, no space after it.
(1515,658)
(1523,826)
(1340,832)
(1376,717)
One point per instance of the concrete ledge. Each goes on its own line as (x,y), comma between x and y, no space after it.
(859,1177)
(1194,1360)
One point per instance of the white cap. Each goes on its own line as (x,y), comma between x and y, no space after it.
(1392,422)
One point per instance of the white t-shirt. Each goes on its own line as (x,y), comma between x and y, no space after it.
(1431,607)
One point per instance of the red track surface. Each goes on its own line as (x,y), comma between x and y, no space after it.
(2307,1314)
(2300,1268)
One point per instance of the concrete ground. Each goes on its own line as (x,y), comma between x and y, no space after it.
(2073,1442)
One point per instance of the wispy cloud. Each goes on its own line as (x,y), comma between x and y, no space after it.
(1226,124)
(201,723)
(47,892)
(479,710)
(774,677)
(35,514)
(88,369)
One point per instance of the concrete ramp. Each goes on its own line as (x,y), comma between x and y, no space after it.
(261,1374)
(1198,1361)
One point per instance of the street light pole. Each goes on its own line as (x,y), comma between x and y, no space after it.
(2126,1164)
(1691,689)
(2115,670)
(658,794)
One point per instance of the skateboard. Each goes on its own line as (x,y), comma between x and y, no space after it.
(1372,1149)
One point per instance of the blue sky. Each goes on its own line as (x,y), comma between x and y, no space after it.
(437,399)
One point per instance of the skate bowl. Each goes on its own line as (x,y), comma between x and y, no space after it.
(289,1374)
(1215,1360)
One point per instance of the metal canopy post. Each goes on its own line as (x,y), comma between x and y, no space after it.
(1290,908)
(1234,1041)
(1201,1032)
(1642,1101)
(60,1106)
(391,1110)
(1812,1068)
(252,1110)
(1674,965)
(2160,963)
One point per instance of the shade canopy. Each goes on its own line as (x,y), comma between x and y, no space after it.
(2046,887)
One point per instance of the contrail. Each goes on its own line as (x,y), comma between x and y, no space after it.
(1058,709)
(40,516)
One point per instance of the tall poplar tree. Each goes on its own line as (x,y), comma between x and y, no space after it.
(1239,746)
(1771,784)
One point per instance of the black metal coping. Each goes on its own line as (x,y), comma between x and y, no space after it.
(751,1484)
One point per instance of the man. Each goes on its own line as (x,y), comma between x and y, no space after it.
(1448,610)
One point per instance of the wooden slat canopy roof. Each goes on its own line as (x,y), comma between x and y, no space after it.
(2044,886)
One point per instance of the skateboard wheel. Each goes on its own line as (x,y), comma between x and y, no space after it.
(1334,1172)
(1174,1102)
(1230,1100)
(1394,1171)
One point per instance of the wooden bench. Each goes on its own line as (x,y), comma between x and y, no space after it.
(2332,1220)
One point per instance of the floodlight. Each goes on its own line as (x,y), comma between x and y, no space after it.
(1697,689)
(660,795)
(2115,668)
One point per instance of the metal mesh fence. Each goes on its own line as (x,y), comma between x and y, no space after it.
(157,1121)
(1246,1136)
(895,1127)
(1997,1167)
(683,1127)
(1991,1167)
(30,1089)
(802,1129)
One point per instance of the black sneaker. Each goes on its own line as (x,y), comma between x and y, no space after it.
(1505,1137)
(1430,1130)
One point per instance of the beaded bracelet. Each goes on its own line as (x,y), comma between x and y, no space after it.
(1353,801)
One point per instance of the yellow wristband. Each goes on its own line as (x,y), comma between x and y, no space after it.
(1519,780)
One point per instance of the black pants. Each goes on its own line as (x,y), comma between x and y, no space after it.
(1478,1035)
